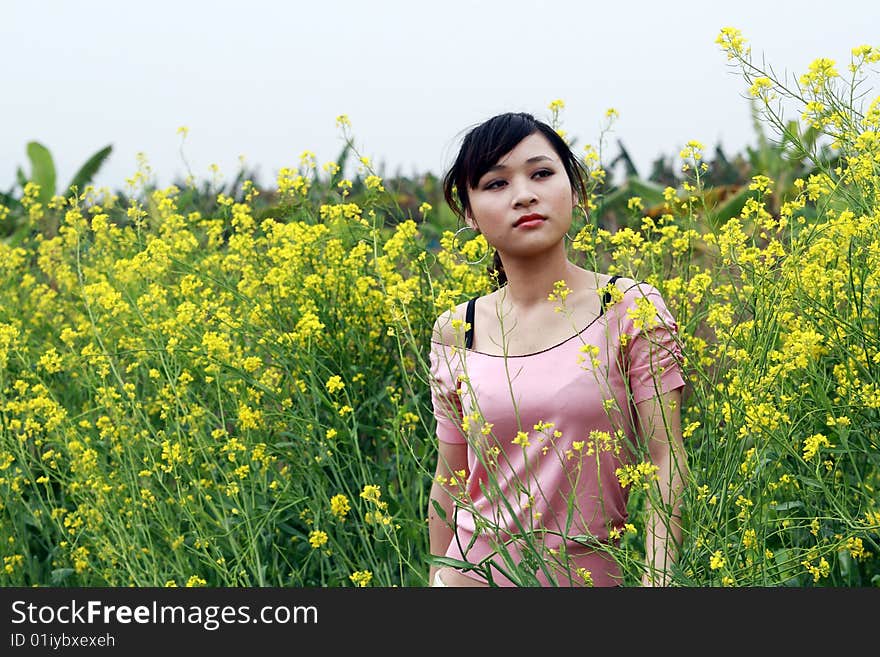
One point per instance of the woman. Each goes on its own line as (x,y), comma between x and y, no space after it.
(548,387)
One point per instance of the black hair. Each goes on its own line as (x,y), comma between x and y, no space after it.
(481,149)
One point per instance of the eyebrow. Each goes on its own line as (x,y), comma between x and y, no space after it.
(531,160)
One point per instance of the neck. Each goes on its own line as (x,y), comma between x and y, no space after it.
(531,280)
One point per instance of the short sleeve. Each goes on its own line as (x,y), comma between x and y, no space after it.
(653,353)
(444,394)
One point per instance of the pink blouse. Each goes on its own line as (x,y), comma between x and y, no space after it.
(546,433)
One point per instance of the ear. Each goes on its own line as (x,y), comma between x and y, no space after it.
(470,221)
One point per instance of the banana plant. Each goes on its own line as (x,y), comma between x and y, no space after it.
(796,153)
(43,173)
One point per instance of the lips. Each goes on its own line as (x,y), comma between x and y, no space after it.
(529,219)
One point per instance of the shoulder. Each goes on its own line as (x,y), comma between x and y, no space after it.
(642,305)
(624,284)
(627,290)
(630,288)
(637,296)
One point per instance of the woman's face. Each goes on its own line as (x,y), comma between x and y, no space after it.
(523,203)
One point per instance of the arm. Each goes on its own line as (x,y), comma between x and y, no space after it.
(450,458)
(660,425)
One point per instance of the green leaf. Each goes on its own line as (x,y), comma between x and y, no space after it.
(340,164)
(785,506)
(449,561)
(846,562)
(88,170)
(585,539)
(439,509)
(731,207)
(614,199)
(651,193)
(631,170)
(42,170)
(58,575)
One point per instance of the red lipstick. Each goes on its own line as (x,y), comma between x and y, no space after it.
(528,220)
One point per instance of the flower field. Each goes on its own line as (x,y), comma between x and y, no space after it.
(230,388)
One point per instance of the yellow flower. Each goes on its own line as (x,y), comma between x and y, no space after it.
(560,292)
(374,182)
(308,159)
(644,315)
(339,506)
(334,383)
(50,361)
(857,549)
(613,291)
(760,85)
(717,561)
(823,569)
(690,428)
(732,42)
(812,445)
(819,72)
(371,493)
(361,577)
(586,575)
(317,538)
(641,475)
(522,439)
(308,326)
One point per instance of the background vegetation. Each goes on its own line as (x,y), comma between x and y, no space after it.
(217,384)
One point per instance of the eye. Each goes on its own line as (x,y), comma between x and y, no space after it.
(543,173)
(494,184)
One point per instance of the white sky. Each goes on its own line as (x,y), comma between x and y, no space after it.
(266,80)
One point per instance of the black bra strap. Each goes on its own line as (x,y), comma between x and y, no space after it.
(469,318)
(606,298)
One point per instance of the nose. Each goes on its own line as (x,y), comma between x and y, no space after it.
(523,194)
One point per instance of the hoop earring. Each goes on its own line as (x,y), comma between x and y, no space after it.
(458,249)
(582,209)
